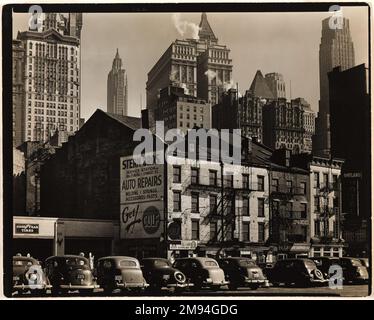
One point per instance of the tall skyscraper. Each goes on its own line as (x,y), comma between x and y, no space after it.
(201,66)
(117,88)
(50,64)
(336,49)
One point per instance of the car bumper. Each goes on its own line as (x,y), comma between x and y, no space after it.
(213,284)
(32,287)
(132,285)
(179,285)
(78,287)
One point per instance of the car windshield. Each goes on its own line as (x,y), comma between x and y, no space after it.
(23,262)
(356,263)
(246,263)
(210,263)
(310,264)
(162,263)
(75,262)
(127,263)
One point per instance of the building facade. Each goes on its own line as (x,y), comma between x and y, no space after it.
(18,72)
(289,198)
(51,82)
(350,108)
(336,49)
(283,125)
(117,89)
(243,113)
(201,66)
(182,111)
(276,84)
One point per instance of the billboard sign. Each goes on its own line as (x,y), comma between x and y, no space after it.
(142,199)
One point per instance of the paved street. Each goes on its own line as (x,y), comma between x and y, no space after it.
(347,291)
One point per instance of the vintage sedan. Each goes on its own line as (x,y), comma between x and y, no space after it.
(70,273)
(160,274)
(202,272)
(28,276)
(120,272)
(242,272)
(301,272)
(353,270)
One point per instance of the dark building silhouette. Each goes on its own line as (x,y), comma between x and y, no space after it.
(82,179)
(117,88)
(336,49)
(350,140)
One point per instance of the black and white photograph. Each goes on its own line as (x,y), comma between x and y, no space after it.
(189,150)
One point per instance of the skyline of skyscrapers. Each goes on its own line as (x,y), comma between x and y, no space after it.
(117,89)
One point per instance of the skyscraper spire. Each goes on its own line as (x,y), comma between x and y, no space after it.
(117,62)
(206,32)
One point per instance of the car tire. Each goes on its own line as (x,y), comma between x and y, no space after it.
(55,292)
(233,286)
(108,290)
(254,286)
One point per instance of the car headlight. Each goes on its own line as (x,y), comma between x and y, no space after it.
(33,277)
(209,280)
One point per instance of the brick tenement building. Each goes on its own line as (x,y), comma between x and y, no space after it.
(82,178)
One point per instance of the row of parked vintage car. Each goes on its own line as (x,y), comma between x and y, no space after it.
(62,274)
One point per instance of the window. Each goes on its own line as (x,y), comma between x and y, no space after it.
(194,176)
(304,209)
(213,203)
(261,209)
(325,180)
(245,206)
(317,206)
(289,186)
(289,208)
(275,207)
(336,230)
(212,177)
(228,232)
(194,202)
(316,180)
(261,232)
(260,180)
(304,233)
(229,181)
(177,174)
(195,230)
(274,185)
(213,231)
(317,228)
(177,200)
(303,188)
(246,231)
(245,181)
(335,182)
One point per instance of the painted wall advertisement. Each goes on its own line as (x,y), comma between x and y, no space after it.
(142,199)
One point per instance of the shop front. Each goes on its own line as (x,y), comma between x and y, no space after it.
(42,237)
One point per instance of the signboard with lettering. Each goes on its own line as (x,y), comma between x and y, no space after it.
(27,228)
(184,245)
(142,199)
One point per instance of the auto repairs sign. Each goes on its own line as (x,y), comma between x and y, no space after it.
(142,199)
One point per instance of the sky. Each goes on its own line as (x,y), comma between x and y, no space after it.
(287,43)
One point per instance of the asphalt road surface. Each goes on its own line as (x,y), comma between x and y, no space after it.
(346,291)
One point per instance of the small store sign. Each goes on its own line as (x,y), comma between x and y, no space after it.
(27,228)
(184,245)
